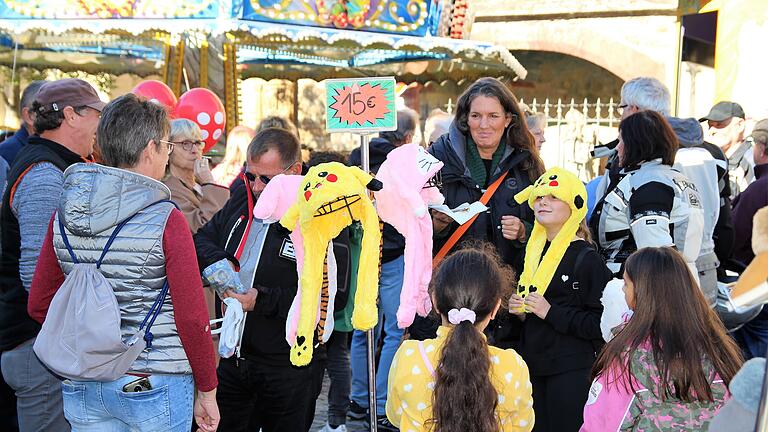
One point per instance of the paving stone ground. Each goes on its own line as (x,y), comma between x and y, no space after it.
(321,412)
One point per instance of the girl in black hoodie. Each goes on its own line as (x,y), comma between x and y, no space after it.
(558,299)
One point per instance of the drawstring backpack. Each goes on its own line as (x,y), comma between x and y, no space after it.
(81,338)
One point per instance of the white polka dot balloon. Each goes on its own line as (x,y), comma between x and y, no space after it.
(203,107)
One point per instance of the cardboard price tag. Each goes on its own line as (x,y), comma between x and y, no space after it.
(360,105)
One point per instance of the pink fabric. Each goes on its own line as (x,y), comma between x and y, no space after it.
(402,203)
(279,195)
(426,358)
(608,403)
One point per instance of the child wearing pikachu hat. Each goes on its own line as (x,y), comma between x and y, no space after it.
(558,299)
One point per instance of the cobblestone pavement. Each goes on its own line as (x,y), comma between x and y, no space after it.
(321,413)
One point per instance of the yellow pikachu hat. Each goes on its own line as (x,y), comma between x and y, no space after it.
(565,186)
(331,197)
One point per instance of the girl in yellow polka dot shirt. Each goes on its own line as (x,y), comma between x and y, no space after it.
(456,382)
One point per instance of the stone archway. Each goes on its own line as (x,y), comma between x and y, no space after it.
(622,61)
(627,46)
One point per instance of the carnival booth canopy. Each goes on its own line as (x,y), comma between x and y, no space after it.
(288,39)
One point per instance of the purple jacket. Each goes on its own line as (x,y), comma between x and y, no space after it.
(746,204)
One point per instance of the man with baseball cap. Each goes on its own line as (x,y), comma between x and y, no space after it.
(726,130)
(67,113)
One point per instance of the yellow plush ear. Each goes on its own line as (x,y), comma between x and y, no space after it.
(363,177)
(524,195)
(290,218)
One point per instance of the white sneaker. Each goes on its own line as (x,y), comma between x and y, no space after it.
(328,428)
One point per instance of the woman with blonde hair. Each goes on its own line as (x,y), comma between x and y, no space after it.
(232,165)
(189,177)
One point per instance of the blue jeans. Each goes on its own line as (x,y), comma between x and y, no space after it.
(752,337)
(105,407)
(390,285)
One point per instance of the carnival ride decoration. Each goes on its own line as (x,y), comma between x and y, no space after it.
(331,197)
(409,188)
(108,8)
(413,17)
(269,39)
(203,107)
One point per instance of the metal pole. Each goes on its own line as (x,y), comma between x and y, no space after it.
(365,158)
(762,410)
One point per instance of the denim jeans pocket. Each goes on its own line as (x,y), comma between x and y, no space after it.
(149,410)
(73,396)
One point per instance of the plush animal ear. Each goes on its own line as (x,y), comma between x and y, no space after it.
(524,194)
(578,202)
(375,185)
(363,177)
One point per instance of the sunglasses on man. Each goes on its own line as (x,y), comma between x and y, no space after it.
(262,178)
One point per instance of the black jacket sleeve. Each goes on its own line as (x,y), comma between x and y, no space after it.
(650,207)
(210,239)
(583,320)
(724,235)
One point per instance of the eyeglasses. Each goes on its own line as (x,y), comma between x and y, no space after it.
(262,178)
(167,143)
(84,108)
(622,107)
(190,145)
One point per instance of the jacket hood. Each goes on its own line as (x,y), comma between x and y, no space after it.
(378,148)
(95,197)
(688,131)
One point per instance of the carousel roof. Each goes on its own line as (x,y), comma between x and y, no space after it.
(264,49)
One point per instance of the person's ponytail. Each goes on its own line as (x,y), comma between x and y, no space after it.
(467,288)
(464,398)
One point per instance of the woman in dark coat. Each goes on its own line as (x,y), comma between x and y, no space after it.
(487,139)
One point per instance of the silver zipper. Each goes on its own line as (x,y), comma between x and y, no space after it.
(232,231)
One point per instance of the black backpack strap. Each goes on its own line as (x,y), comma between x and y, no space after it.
(580,257)
(577,265)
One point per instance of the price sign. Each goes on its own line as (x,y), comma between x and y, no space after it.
(360,105)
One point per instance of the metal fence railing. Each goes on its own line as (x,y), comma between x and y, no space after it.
(574,128)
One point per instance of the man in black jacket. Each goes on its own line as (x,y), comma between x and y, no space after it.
(258,386)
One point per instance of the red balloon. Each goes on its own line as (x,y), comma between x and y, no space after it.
(203,107)
(158,92)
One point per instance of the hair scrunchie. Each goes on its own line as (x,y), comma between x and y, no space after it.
(456,316)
